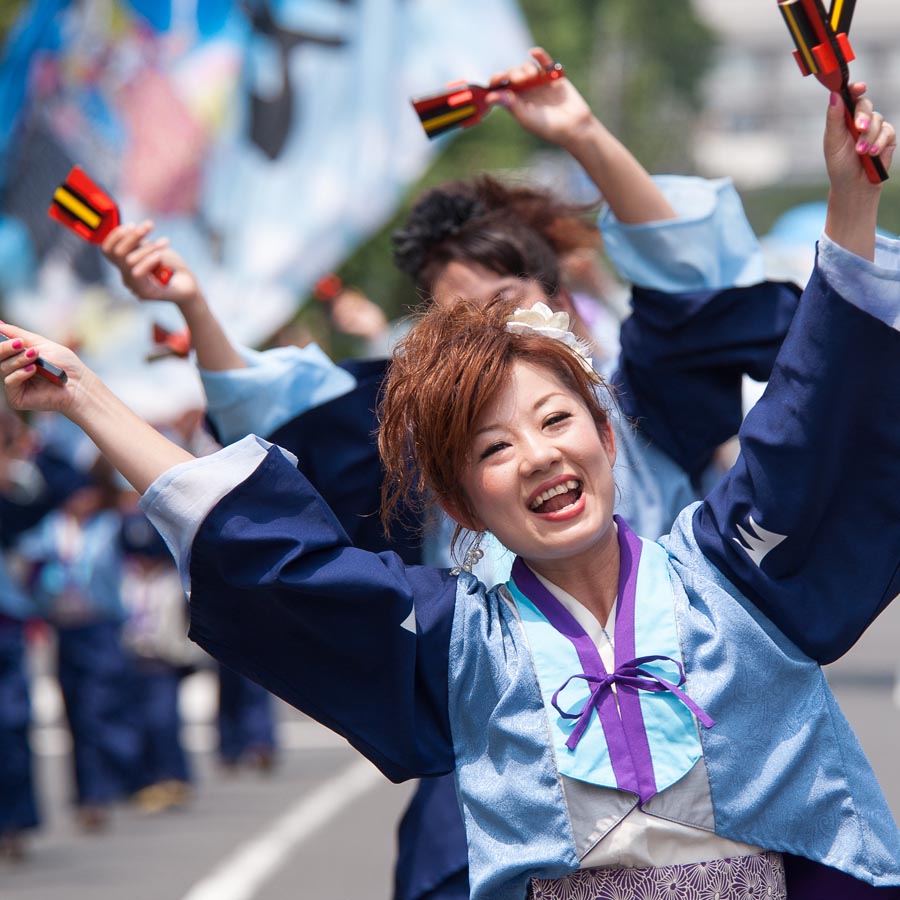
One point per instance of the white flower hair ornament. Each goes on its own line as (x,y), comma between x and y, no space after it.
(540,319)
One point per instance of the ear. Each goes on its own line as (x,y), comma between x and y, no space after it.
(608,439)
(470,523)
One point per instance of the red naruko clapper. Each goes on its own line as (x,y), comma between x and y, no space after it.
(462,105)
(82,205)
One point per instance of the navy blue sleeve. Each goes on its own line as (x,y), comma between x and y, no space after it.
(357,640)
(336,446)
(807,523)
(683,359)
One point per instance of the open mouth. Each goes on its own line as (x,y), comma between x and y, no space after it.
(558,497)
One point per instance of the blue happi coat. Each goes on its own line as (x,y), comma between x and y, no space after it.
(424,672)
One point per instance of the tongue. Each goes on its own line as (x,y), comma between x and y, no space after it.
(560,501)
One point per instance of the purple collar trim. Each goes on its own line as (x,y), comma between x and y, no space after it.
(622,723)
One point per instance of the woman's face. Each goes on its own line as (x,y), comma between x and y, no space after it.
(540,473)
(472,281)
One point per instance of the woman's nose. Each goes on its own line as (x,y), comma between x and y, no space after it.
(539,453)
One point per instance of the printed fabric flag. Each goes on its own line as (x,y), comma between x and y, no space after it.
(265,138)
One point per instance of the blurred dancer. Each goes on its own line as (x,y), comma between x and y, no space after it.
(246,723)
(155,635)
(34,480)
(18,807)
(75,555)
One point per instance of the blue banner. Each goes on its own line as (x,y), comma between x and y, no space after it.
(265,138)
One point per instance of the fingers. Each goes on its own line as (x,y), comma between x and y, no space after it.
(540,60)
(542,57)
(124,239)
(870,135)
(879,139)
(17,358)
(14,332)
(862,114)
(523,73)
(875,135)
(146,257)
(19,376)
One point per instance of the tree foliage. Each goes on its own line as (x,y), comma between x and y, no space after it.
(638,62)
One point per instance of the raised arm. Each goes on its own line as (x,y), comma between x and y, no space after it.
(130,250)
(133,447)
(247,392)
(806,524)
(559,114)
(244,520)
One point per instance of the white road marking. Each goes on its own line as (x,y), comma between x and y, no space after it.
(241,874)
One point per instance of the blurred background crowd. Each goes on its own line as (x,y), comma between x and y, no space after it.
(274,142)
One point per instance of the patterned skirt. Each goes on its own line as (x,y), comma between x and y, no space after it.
(759,877)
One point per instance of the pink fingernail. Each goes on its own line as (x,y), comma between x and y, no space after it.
(863,123)
(29,368)
(862,146)
(833,99)
(17,344)
(874,151)
(31,353)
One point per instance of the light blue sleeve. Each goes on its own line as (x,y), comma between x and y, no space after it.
(873,287)
(709,246)
(276,386)
(36,544)
(181,498)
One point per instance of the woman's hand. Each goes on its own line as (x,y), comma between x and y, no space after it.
(853,199)
(555,112)
(842,153)
(25,388)
(355,314)
(128,249)
(138,451)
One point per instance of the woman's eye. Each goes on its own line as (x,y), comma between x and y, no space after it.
(556,418)
(492,449)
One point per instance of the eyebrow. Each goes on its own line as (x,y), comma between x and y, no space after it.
(541,401)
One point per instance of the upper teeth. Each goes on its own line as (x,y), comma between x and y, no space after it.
(544,496)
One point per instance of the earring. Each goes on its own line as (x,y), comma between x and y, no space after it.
(473,554)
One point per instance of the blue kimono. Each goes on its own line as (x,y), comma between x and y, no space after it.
(702,317)
(18,807)
(763,566)
(78,589)
(55,480)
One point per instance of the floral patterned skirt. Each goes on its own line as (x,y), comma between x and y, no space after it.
(759,877)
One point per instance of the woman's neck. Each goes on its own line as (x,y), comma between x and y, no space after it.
(592,578)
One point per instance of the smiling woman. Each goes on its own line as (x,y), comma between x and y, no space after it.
(626,718)
(521,447)
(460,430)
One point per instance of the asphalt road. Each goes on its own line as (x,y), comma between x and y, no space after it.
(322,824)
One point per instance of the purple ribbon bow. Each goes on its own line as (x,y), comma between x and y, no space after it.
(620,715)
(633,675)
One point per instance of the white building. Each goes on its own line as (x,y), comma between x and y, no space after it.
(763,119)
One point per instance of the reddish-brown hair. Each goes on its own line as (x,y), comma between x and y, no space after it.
(444,373)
